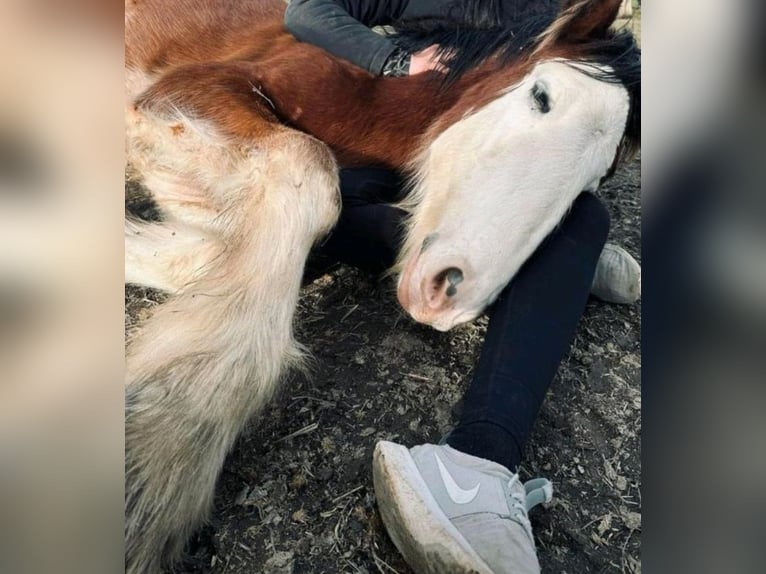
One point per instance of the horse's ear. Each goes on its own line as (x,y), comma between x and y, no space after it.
(580,20)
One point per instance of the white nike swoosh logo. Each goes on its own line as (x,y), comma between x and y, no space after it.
(457,494)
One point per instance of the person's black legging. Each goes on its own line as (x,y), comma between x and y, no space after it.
(531,325)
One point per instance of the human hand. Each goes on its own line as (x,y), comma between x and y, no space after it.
(426,60)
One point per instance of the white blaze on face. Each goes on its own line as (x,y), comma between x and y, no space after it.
(496,183)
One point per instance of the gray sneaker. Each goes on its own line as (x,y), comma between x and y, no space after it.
(449,512)
(618,276)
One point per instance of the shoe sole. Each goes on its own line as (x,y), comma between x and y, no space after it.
(418,527)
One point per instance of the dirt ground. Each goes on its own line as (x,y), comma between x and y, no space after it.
(296,493)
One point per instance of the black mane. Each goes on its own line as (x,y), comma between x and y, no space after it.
(475,30)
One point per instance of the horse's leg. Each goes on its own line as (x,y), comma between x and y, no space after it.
(167,255)
(170,254)
(211,355)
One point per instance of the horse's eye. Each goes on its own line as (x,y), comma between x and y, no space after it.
(540,95)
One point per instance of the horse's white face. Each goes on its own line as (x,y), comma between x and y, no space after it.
(495,184)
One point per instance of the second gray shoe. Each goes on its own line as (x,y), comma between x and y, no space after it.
(618,276)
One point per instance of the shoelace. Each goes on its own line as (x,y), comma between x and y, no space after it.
(536,491)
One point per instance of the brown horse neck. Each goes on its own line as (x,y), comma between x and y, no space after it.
(366,120)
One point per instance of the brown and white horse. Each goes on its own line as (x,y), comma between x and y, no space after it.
(237,130)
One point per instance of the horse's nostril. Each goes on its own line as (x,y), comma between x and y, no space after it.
(454,277)
(443,284)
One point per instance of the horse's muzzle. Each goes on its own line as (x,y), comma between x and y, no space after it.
(431,297)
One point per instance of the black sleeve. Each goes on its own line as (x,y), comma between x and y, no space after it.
(342,27)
